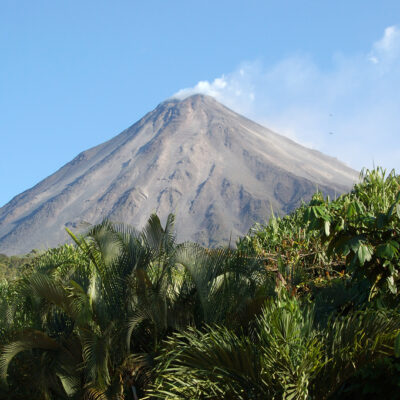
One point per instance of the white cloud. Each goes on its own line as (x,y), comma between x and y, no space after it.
(387,49)
(235,90)
(350,111)
(389,40)
(204,87)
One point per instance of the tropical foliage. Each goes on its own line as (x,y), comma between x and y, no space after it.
(11,267)
(306,307)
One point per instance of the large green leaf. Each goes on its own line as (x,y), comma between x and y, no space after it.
(387,250)
(364,253)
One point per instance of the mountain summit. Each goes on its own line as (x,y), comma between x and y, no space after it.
(216,170)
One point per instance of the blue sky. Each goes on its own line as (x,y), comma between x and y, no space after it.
(75,73)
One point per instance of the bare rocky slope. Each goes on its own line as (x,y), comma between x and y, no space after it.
(217,171)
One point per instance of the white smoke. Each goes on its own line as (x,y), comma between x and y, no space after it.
(350,110)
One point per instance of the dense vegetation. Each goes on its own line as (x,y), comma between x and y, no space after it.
(306,307)
(11,267)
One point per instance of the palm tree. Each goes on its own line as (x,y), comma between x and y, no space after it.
(110,301)
(78,309)
(287,357)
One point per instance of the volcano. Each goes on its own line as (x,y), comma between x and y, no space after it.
(216,170)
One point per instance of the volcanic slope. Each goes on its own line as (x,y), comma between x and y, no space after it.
(216,170)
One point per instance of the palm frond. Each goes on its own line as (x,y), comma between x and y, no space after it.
(214,364)
(157,238)
(27,340)
(95,351)
(354,341)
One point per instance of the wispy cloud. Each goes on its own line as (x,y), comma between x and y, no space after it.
(351,110)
